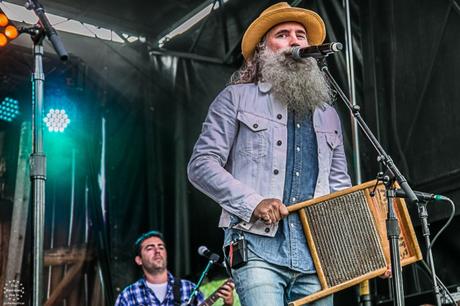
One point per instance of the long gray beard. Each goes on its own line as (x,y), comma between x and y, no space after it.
(300,85)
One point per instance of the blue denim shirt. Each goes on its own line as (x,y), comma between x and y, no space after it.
(289,247)
(240,156)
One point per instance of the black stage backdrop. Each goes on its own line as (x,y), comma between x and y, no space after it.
(411,98)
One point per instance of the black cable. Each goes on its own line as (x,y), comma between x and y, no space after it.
(425,265)
(445,225)
(428,270)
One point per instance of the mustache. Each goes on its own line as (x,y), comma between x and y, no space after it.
(285,59)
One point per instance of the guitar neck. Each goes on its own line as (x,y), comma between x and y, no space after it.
(214,297)
(210,300)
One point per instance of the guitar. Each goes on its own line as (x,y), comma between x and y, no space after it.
(213,297)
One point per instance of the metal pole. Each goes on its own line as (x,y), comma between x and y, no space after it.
(72,201)
(53,223)
(72,208)
(423,215)
(86,293)
(38,158)
(364,292)
(38,174)
(393,233)
(351,87)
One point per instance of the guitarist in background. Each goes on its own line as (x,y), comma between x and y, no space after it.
(158,286)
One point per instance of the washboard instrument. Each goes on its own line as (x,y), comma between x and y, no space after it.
(346,233)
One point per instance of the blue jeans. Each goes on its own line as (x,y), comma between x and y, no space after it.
(261,283)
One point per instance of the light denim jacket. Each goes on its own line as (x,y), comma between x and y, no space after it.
(237,160)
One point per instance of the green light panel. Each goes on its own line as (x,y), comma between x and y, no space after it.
(9,109)
(56,120)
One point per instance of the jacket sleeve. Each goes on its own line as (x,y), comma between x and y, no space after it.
(339,178)
(206,169)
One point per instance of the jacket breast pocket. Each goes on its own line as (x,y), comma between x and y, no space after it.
(253,135)
(328,141)
(332,139)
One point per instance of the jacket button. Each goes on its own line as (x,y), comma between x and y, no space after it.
(276,171)
(255,125)
(267,229)
(279,116)
(279,142)
(336,132)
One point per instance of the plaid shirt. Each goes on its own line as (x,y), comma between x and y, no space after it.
(140,294)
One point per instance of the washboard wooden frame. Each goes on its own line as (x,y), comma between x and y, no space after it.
(375,212)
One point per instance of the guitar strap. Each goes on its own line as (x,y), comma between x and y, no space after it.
(176,292)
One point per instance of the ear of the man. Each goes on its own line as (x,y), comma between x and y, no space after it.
(138,260)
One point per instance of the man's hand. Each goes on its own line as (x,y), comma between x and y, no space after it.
(387,273)
(226,293)
(270,211)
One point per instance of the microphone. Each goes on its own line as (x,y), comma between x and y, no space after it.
(316,51)
(422,196)
(205,252)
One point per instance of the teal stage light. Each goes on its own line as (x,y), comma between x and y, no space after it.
(56,120)
(9,109)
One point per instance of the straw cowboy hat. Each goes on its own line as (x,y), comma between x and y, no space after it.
(279,13)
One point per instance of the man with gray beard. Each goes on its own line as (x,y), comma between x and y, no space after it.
(271,140)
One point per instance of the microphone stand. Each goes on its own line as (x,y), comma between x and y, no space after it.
(198,284)
(440,291)
(394,175)
(423,215)
(38,170)
(48,29)
(38,157)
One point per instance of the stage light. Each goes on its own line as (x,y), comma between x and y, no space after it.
(3,40)
(56,120)
(8,30)
(9,109)
(11,32)
(3,19)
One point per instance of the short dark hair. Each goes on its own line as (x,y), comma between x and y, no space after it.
(144,236)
